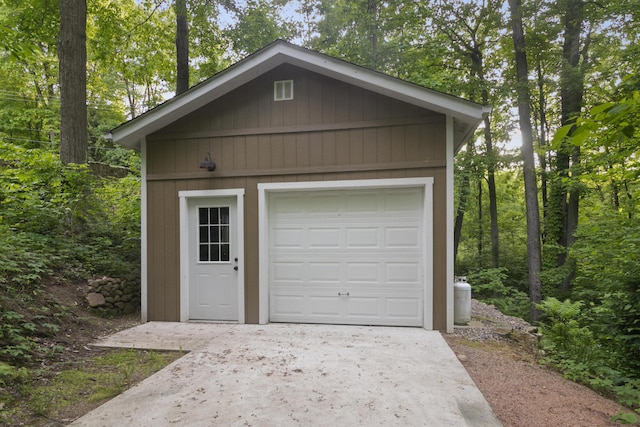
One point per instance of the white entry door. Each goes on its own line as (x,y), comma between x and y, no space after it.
(213,259)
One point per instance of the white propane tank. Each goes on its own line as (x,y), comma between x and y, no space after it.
(461,301)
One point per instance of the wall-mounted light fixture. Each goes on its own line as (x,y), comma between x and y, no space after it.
(207,163)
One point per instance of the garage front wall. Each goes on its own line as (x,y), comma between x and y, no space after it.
(330,131)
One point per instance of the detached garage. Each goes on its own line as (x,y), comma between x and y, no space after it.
(295,187)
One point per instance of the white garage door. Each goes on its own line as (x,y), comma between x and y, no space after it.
(347,257)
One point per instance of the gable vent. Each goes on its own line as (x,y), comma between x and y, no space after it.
(283,90)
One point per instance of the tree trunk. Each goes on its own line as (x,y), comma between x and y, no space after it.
(182,47)
(571,92)
(372,11)
(462,204)
(493,198)
(542,143)
(530,184)
(72,53)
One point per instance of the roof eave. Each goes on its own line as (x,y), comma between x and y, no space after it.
(468,113)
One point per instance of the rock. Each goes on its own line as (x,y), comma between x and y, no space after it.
(129,308)
(95,299)
(463,357)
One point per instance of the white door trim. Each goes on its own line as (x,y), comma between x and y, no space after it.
(185,196)
(263,230)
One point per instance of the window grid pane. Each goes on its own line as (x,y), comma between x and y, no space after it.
(214,234)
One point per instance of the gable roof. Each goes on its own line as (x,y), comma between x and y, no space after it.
(467,115)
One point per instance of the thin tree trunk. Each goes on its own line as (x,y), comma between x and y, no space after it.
(462,204)
(182,47)
(493,198)
(372,10)
(72,53)
(542,143)
(571,92)
(530,184)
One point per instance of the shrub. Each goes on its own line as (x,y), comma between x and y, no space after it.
(488,285)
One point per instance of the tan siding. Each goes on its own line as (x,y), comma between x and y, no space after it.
(264,152)
(342,148)
(240,153)
(301,95)
(252,152)
(383,145)
(289,155)
(370,146)
(370,141)
(251,250)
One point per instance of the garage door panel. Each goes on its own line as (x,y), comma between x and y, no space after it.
(324,237)
(404,308)
(347,257)
(289,272)
(402,237)
(324,203)
(362,307)
(325,306)
(288,203)
(361,203)
(404,273)
(401,201)
(362,237)
(284,305)
(363,272)
(324,272)
(283,238)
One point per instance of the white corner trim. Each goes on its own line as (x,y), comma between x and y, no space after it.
(144,227)
(450,221)
(263,230)
(184,197)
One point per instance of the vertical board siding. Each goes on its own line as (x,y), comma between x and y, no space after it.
(317,100)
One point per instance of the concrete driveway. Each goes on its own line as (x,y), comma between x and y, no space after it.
(295,375)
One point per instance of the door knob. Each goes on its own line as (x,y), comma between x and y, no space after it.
(235,268)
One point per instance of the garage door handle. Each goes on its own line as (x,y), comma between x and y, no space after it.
(343,294)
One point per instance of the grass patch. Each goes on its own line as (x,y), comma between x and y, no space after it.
(72,392)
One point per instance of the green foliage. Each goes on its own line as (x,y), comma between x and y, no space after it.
(575,344)
(489,286)
(258,25)
(57,220)
(625,418)
(11,375)
(104,378)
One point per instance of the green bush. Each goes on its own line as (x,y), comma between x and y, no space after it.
(61,221)
(488,285)
(575,341)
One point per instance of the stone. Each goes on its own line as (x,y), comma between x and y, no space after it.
(129,308)
(95,299)
(463,357)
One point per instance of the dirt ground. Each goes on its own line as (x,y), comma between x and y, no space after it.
(502,360)
(502,364)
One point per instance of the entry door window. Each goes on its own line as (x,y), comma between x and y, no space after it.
(213,232)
